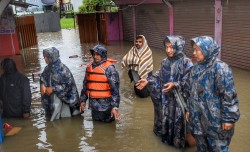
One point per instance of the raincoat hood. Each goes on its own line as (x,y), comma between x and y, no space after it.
(52,54)
(9,66)
(100,50)
(177,41)
(209,47)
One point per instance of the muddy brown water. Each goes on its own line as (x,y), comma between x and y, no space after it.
(133,133)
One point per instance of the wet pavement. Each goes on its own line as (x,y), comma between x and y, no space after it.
(132,133)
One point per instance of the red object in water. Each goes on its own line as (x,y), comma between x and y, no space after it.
(7,126)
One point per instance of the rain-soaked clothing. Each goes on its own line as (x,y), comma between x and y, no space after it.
(101,107)
(15,93)
(212,98)
(139,62)
(169,119)
(58,76)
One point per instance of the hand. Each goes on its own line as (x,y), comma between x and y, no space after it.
(82,106)
(26,115)
(141,84)
(227,126)
(42,89)
(49,90)
(187,116)
(114,112)
(168,86)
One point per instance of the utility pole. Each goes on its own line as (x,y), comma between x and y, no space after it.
(61,7)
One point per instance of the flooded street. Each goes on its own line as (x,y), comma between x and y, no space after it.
(133,133)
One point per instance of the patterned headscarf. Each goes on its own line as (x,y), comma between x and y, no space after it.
(209,47)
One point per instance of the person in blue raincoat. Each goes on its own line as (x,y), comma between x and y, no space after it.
(60,97)
(212,103)
(169,119)
(101,87)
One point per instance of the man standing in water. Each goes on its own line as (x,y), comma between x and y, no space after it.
(212,103)
(101,87)
(139,62)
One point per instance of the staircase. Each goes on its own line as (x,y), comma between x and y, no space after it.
(3,4)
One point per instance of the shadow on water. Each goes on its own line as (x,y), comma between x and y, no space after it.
(132,133)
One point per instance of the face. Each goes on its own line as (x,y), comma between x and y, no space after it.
(169,49)
(97,57)
(198,53)
(138,43)
(46,59)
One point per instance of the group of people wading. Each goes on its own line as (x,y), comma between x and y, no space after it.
(194,104)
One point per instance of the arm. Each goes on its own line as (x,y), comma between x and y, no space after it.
(1,98)
(61,83)
(114,82)
(149,80)
(227,93)
(153,77)
(186,68)
(83,96)
(26,98)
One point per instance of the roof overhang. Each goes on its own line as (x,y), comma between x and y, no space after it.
(134,2)
(21,4)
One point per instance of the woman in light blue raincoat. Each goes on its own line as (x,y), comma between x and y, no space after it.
(169,117)
(60,97)
(212,103)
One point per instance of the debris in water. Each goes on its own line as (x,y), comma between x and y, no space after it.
(73,56)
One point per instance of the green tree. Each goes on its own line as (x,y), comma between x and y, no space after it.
(90,6)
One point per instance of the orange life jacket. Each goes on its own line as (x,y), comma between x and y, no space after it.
(97,82)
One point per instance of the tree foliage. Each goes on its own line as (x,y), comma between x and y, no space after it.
(90,6)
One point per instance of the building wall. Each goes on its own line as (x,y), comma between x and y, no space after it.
(47,22)
(8,37)
(228,23)
(9,44)
(236,33)
(112,22)
(193,18)
(127,24)
(152,22)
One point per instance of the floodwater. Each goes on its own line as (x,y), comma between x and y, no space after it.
(133,133)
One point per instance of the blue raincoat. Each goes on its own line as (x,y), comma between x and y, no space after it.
(212,97)
(169,119)
(58,76)
(104,105)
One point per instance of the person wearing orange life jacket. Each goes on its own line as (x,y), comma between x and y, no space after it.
(101,87)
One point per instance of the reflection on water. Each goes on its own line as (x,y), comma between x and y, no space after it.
(132,133)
